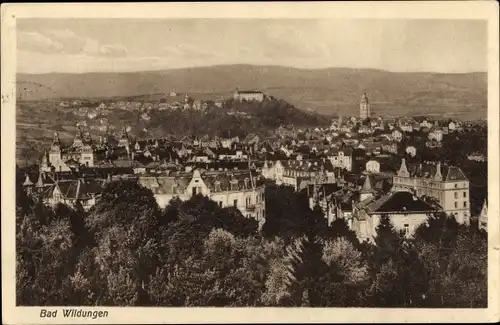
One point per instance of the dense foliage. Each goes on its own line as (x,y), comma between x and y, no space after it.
(127,252)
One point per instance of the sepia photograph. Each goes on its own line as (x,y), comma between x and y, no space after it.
(200,155)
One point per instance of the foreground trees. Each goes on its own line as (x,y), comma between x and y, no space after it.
(128,252)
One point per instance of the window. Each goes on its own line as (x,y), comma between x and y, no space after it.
(235,202)
(407,229)
(456,195)
(193,190)
(220,204)
(465,204)
(456,185)
(456,205)
(465,194)
(217,186)
(234,185)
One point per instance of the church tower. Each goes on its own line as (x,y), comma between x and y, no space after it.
(55,150)
(364,107)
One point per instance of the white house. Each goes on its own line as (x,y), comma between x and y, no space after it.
(411,150)
(406,212)
(397,135)
(341,157)
(240,189)
(373,166)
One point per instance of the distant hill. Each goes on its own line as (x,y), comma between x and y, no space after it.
(326,91)
(38,120)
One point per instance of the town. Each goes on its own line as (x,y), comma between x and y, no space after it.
(338,159)
(357,169)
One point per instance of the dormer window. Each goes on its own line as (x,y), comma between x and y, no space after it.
(246,182)
(217,186)
(234,185)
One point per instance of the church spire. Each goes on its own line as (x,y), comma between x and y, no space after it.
(40,183)
(367,186)
(403,171)
(367,190)
(27,181)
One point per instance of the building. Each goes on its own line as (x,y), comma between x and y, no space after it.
(447,185)
(68,192)
(411,150)
(273,171)
(397,135)
(248,95)
(372,166)
(243,190)
(341,158)
(405,211)
(323,195)
(364,107)
(436,134)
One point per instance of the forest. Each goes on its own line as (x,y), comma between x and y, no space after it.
(126,251)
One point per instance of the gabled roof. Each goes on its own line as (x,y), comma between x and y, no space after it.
(75,189)
(397,202)
(449,173)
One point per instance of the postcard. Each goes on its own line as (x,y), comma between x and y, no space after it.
(250,162)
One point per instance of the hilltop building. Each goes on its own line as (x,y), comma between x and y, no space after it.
(248,95)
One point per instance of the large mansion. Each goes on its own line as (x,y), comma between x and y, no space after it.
(447,185)
(240,189)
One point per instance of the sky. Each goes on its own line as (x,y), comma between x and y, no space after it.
(120,45)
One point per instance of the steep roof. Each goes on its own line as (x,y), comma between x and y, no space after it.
(367,186)
(428,170)
(176,183)
(394,202)
(75,189)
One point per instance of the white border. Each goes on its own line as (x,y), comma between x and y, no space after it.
(487,10)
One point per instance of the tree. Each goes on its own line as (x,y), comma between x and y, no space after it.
(340,229)
(455,258)
(42,255)
(285,212)
(346,276)
(387,242)
(125,225)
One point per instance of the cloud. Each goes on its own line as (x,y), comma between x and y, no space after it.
(68,42)
(188,51)
(113,50)
(290,41)
(34,41)
(63,34)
